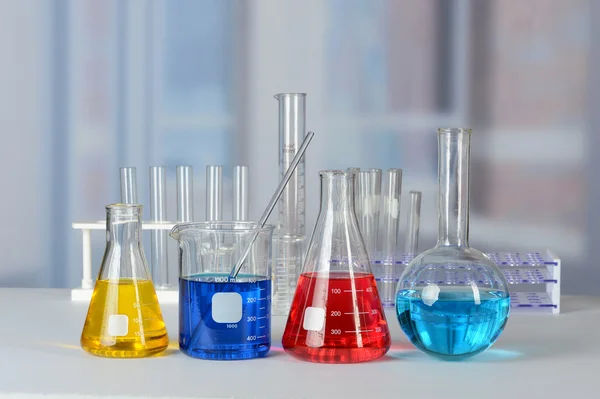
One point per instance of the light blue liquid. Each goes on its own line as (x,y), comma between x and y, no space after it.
(456,326)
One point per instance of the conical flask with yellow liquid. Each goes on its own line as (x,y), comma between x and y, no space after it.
(124,319)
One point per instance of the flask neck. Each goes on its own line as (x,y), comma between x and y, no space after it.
(123,224)
(337,192)
(336,242)
(453,175)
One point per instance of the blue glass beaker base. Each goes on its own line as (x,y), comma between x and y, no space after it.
(228,352)
(454,327)
(224,320)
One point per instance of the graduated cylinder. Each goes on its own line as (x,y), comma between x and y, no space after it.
(290,235)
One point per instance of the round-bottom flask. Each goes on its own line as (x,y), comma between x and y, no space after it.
(452,300)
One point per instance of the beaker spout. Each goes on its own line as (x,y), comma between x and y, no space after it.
(178,229)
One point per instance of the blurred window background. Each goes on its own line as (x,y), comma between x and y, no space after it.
(89,86)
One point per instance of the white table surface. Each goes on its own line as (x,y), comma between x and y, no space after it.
(537,356)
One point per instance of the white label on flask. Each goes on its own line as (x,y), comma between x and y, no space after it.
(227,307)
(314,319)
(118,325)
(476,295)
(430,294)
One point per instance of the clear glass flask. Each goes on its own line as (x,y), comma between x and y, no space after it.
(336,315)
(452,300)
(223,317)
(124,318)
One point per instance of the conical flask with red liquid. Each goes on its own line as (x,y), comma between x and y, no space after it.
(336,314)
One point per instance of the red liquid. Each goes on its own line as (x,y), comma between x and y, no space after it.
(353,327)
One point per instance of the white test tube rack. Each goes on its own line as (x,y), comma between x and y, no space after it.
(84,293)
(533,278)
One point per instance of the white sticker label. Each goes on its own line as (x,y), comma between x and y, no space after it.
(314,319)
(118,325)
(395,208)
(430,294)
(476,295)
(227,307)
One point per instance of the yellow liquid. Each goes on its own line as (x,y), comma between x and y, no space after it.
(124,320)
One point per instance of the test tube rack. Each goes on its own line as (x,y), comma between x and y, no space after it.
(185,213)
(533,278)
(84,293)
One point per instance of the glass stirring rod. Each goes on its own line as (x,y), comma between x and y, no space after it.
(274,199)
(238,265)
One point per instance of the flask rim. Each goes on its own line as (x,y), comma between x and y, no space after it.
(336,172)
(124,206)
(454,130)
(282,95)
(222,226)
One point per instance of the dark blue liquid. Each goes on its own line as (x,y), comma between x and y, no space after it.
(455,326)
(203,336)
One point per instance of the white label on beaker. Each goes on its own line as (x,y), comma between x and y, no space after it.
(314,319)
(118,325)
(227,307)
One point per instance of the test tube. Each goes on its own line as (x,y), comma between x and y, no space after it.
(368,207)
(391,212)
(240,193)
(389,233)
(355,191)
(214,193)
(185,193)
(128,185)
(289,245)
(411,246)
(158,213)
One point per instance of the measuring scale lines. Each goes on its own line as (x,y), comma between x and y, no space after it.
(124,320)
(233,317)
(337,318)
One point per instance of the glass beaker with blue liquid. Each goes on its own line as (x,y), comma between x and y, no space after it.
(223,317)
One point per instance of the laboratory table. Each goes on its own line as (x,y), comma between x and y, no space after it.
(538,356)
